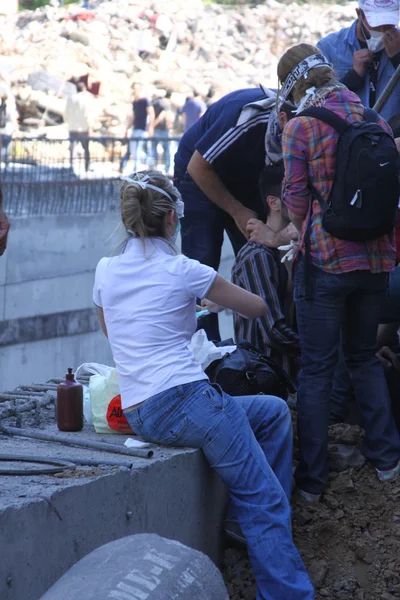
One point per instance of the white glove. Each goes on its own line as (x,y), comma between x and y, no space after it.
(290,250)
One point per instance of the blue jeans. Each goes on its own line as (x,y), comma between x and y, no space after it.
(161,137)
(137,147)
(391,308)
(342,391)
(349,303)
(248,441)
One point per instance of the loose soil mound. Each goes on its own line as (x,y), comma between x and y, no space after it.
(350,542)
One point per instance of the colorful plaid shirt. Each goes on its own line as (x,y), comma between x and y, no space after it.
(309,151)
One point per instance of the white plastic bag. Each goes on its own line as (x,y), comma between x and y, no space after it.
(204,351)
(105,399)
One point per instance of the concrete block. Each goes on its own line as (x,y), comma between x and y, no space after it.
(144,566)
(49,523)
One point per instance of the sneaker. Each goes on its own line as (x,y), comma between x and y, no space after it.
(389,474)
(233,532)
(307,497)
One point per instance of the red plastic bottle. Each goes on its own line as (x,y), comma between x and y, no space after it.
(69,404)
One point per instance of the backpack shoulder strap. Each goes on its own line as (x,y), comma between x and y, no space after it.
(370,116)
(327,116)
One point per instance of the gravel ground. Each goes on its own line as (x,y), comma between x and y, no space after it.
(350,542)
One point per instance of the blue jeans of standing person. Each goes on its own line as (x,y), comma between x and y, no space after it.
(137,147)
(248,441)
(350,303)
(161,137)
(391,308)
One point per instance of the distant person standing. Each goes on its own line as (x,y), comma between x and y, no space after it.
(78,116)
(162,128)
(141,123)
(366,55)
(193,109)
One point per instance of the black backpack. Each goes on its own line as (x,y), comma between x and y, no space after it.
(365,193)
(248,372)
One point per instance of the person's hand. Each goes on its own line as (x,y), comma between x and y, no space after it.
(397,142)
(388,358)
(391,42)
(242,216)
(362,60)
(212,307)
(4,229)
(260,233)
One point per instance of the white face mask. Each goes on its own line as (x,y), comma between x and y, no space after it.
(177,230)
(374,43)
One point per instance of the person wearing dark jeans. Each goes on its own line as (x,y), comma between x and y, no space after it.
(339,296)
(353,300)
(79,137)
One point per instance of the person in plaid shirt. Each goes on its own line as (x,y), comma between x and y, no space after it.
(347,280)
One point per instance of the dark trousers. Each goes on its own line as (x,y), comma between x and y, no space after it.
(79,137)
(202,233)
(350,303)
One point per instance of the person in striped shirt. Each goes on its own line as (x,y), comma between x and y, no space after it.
(347,280)
(258,268)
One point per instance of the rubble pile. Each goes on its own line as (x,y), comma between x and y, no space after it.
(350,542)
(180,45)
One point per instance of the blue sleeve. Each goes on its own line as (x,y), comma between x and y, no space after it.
(325,48)
(216,137)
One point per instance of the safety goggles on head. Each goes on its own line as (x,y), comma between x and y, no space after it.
(179,205)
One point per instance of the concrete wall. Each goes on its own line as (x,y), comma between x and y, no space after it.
(47,317)
(48,524)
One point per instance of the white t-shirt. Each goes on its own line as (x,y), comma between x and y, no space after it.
(80,112)
(148,296)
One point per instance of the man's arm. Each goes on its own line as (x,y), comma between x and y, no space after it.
(129,124)
(150,120)
(260,233)
(296,192)
(354,79)
(391,42)
(260,276)
(202,173)
(296,221)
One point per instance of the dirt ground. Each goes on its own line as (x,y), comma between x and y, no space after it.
(350,542)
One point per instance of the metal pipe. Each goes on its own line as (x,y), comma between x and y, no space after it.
(58,465)
(387,92)
(91,462)
(82,443)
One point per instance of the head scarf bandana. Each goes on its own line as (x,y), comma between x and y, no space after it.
(301,70)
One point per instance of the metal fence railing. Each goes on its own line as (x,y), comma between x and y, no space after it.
(41,176)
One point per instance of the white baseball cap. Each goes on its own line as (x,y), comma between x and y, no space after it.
(381,12)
